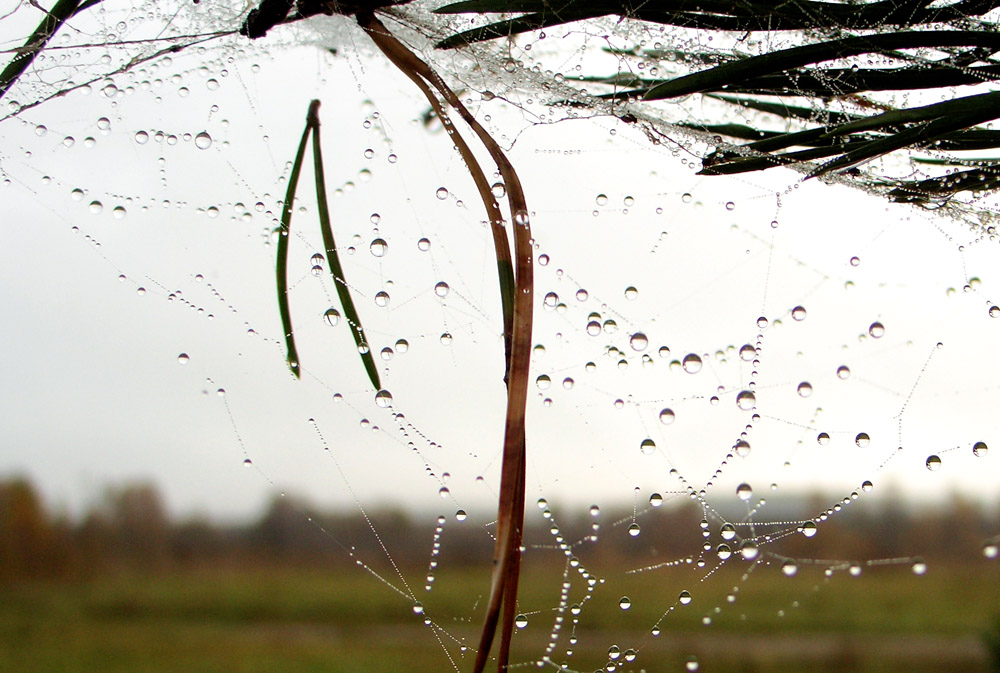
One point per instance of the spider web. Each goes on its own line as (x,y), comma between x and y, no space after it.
(707,349)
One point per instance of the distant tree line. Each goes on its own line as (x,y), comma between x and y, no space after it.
(129,530)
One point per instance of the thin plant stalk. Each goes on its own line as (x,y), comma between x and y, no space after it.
(281,267)
(510,515)
(333,260)
(336,270)
(25,56)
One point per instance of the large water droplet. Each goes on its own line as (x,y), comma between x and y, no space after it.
(691,363)
(933,463)
(521,621)
(183,359)
(862,439)
(979,449)
(919,567)
(203,141)
(744,492)
(331,317)
(724,551)
(441,289)
(749,550)
(684,598)
(379,247)
(624,602)
(383,399)
(727,531)
(843,372)
(789,569)
(543,382)
(691,664)
(441,193)
(667,416)
(634,530)
(876,330)
(809,528)
(141,137)
(804,389)
(746,400)
(647,446)
(638,341)
(798,313)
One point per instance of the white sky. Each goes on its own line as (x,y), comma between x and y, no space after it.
(93,394)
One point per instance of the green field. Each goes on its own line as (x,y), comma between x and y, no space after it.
(344,619)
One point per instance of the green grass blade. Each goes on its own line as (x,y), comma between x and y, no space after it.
(281,270)
(336,270)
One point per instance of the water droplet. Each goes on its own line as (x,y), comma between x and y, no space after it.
(594,510)
(991,550)
(762,322)
(423,245)
(614,652)
(441,289)
(876,330)
(746,400)
(742,448)
(823,439)
(183,359)
(581,295)
(724,551)
(383,399)
(624,602)
(727,531)
(402,346)
(979,449)
(418,609)
(460,515)
(521,621)
(691,363)
(919,567)
(141,137)
(119,212)
(382,299)
(855,261)
(543,382)
(444,492)
(994,311)
(631,293)
(843,372)
(667,416)
(331,317)
(379,247)
(247,462)
(789,569)
(744,492)
(601,200)
(933,463)
(862,439)
(691,664)
(638,341)
(446,339)
(809,529)
(655,500)
(749,550)
(386,353)
(633,529)
(805,389)
(441,193)
(867,486)
(96,207)
(203,141)
(684,598)
(499,190)
(798,313)
(647,446)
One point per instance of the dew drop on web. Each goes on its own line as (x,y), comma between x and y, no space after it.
(203,140)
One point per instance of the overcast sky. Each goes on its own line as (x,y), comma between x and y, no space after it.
(99,304)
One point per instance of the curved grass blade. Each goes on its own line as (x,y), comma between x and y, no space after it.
(510,511)
(281,270)
(336,270)
(742,70)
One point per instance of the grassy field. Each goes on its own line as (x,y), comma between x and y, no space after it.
(280,619)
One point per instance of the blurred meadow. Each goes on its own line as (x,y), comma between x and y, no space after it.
(127,589)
